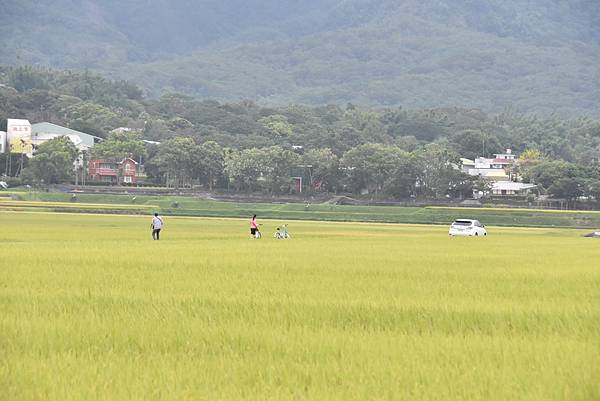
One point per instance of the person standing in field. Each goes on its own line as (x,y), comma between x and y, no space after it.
(254,227)
(157,224)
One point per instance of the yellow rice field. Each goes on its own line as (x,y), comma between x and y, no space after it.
(93,309)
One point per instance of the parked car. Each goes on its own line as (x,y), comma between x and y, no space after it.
(467,227)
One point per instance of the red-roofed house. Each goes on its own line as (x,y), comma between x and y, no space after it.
(127,171)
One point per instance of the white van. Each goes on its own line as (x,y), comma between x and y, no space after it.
(467,227)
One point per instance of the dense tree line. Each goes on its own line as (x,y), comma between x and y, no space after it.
(248,147)
(382,171)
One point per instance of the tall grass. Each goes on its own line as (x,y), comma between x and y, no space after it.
(93,309)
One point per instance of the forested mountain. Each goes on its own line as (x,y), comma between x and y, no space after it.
(535,55)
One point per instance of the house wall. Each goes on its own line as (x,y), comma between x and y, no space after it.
(125,172)
(98,172)
(19,136)
(506,192)
(128,172)
(2,141)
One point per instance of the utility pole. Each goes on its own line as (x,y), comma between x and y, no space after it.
(10,160)
(308,167)
(21,166)
(483,145)
(84,169)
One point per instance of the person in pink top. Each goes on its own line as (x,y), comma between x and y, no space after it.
(253,227)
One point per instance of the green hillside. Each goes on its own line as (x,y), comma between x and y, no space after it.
(539,56)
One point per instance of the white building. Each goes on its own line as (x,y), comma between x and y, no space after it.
(22,137)
(2,141)
(43,132)
(485,168)
(492,169)
(466,164)
(18,136)
(511,188)
(506,156)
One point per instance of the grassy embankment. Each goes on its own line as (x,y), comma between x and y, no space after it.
(92,309)
(189,206)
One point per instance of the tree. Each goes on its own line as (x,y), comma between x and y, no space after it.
(530,155)
(323,168)
(52,162)
(120,145)
(151,165)
(26,78)
(368,124)
(246,168)
(437,170)
(369,166)
(277,125)
(279,163)
(91,118)
(592,188)
(475,143)
(567,188)
(460,185)
(401,183)
(209,163)
(482,186)
(548,172)
(344,138)
(175,159)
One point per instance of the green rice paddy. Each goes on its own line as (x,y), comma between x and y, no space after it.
(92,309)
(198,207)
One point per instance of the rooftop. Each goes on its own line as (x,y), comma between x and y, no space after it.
(512,186)
(17,121)
(49,128)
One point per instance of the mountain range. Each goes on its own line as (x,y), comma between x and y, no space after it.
(539,56)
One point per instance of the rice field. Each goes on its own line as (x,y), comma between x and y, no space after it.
(189,206)
(92,309)
(18,205)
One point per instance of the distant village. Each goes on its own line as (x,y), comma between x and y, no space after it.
(22,137)
(498,172)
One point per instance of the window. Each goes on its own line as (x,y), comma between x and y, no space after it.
(127,168)
(127,179)
(462,223)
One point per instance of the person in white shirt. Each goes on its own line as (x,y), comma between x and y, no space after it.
(157,224)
